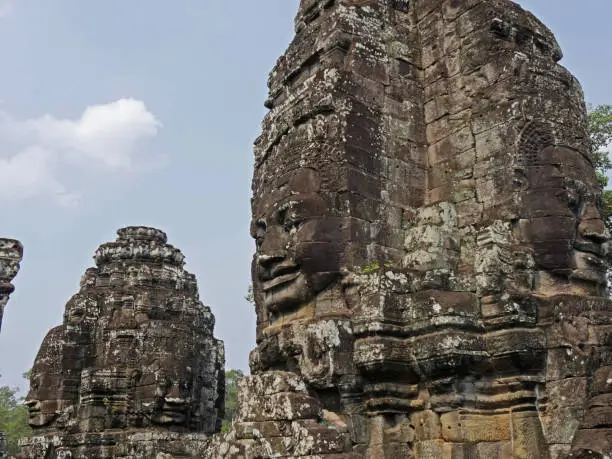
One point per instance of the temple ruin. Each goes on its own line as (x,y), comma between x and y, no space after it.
(134,370)
(11,253)
(429,276)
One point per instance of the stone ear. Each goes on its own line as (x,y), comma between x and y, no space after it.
(520,181)
(535,137)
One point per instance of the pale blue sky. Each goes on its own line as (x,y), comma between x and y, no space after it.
(200,68)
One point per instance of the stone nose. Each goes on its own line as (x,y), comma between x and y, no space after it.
(267,261)
(174,395)
(592,226)
(32,404)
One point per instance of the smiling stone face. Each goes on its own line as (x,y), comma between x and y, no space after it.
(299,241)
(563,203)
(44,400)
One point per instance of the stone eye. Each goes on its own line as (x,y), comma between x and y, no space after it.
(574,202)
(285,220)
(290,223)
(290,226)
(281,215)
(259,232)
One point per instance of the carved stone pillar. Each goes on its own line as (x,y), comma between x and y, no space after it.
(11,253)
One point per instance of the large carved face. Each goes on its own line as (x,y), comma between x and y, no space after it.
(299,241)
(172,401)
(166,385)
(44,400)
(564,220)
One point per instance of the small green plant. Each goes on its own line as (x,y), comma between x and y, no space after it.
(371,268)
(106,401)
(250,296)
(375,266)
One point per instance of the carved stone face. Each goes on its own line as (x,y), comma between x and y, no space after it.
(166,385)
(75,311)
(299,241)
(565,224)
(44,400)
(172,399)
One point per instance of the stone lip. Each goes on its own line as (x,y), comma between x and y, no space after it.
(6,288)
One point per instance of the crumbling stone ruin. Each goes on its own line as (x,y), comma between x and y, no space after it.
(429,276)
(11,253)
(134,370)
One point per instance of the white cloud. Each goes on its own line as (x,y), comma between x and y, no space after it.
(31,173)
(104,135)
(6,8)
(107,134)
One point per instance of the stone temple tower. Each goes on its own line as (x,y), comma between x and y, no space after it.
(429,276)
(134,370)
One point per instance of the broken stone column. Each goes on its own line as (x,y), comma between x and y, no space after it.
(430,244)
(11,253)
(134,370)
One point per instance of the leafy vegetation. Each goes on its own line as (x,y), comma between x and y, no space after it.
(231,397)
(600,130)
(13,417)
(370,269)
(250,296)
